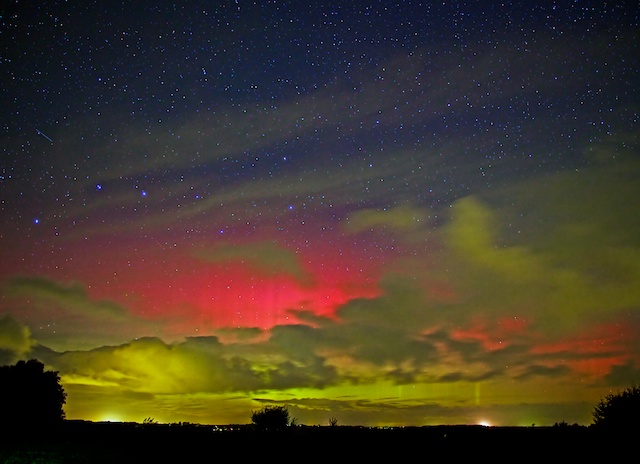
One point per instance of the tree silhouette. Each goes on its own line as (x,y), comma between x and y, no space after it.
(618,411)
(271,418)
(29,395)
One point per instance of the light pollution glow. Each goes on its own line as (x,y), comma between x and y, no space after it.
(420,270)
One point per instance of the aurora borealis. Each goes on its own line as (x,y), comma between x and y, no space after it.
(390,213)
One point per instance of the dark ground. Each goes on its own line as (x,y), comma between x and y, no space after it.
(87,442)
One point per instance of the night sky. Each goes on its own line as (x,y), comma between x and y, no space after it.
(388,213)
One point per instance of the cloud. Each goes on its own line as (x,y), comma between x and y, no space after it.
(401,337)
(196,365)
(15,340)
(557,250)
(520,267)
(267,258)
(71,297)
(502,282)
(548,252)
(65,317)
(545,371)
(400,218)
(466,376)
(624,375)
(471,237)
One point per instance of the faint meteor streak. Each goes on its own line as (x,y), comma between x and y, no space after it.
(44,135)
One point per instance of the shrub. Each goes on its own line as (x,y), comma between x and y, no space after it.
(270,418)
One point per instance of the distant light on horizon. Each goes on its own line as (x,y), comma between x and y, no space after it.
(110,419)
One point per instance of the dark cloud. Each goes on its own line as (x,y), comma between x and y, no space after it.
(544,371)
(470,377)
(266,258)
(66,316)
(15,340)
(401,218)
(623,376)
(72,297)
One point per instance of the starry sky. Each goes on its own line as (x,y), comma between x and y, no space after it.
(387,213)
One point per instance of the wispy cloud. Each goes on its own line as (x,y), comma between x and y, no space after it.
(401,218)
(266,258)
(71,297)
(64,316)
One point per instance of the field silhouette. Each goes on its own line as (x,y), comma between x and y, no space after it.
(105,442)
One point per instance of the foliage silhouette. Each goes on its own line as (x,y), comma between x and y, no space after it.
(29,395)
(270,418)
(619,411)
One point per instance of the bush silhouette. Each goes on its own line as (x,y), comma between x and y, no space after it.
(29,395)
(618,411)
(271,418)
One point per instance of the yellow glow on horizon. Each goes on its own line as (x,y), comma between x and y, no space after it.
(110,418)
